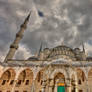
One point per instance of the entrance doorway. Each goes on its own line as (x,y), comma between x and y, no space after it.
(59,81)
(60,89)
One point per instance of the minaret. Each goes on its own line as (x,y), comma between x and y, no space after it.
(83,48)
(14,46)
(40,50)
(84,56)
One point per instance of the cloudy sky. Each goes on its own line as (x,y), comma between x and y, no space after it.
(52,22)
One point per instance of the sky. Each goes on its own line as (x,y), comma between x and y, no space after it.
(52,22)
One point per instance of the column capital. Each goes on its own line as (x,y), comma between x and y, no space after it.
(68,85)
(68,81)
(51,85)
(51,82)
(44,83)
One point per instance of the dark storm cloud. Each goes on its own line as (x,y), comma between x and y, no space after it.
(78,16)
(64,20)
(10,22)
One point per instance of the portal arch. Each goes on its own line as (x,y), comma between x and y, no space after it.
(59,71)
(40,78)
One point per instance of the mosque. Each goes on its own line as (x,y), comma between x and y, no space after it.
(58,69)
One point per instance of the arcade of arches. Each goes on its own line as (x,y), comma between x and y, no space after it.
(49,79)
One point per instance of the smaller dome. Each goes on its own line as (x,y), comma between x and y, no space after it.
(46,48)
(46,51)
(33,58)
(89,58)
(77,49)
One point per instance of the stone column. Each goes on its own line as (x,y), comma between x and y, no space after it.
(33,86)
(43,86)
(68,86)
(55,87)
(75,85)
(87,88)
(51,85)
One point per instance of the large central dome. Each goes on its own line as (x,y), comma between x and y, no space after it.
(62,52)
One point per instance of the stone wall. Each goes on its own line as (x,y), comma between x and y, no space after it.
(44,79)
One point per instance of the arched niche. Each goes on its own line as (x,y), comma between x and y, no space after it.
(25,78)
(81,76)
(8,76)
(81,80)
(90,80)
(56,71)
(90,73)
(41,75)
(59,76)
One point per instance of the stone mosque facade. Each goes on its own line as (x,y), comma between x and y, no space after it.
(58,69)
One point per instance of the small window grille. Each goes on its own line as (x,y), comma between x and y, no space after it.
(12,81)
(4,81)
(16,91)
(80,91)
(19,82)
(24,91)
(27,82)
(8,91)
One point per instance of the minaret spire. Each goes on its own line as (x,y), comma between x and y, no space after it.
(40,49)
(14,46)
(83,47)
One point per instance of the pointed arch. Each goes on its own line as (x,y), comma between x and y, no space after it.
(81,79)
(25,77)
(59,76)
(90,73)
(81,74)
(41,75)
(90,79)
(59,71)
(8,75)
